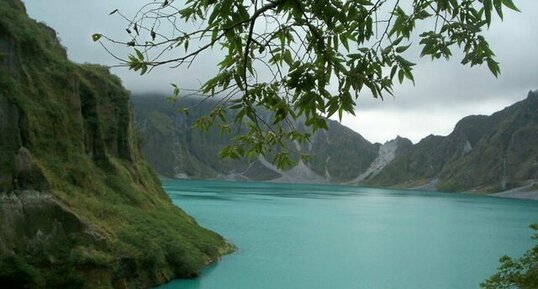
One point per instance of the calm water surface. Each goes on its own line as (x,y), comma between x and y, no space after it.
(322,237)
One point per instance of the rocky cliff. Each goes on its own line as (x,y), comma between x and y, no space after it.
(79,207)
(483,154)
(176,150)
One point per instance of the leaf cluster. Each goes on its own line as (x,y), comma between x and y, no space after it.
(516,273)
(306,59)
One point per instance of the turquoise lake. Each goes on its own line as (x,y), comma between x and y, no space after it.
(322,237)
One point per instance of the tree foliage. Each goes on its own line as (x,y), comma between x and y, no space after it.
(304,60)
(520,273)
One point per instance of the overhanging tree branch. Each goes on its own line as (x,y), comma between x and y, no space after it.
(315,57)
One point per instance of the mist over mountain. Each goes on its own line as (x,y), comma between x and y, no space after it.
(176,150)
(483,154)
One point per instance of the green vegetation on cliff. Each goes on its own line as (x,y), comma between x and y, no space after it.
(175,149)
(483,154)
(79,207)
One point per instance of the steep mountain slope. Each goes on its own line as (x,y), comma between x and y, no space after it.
(177,150)
(340,154)
(483,154)
(79,207)
(387,153)
(506,156)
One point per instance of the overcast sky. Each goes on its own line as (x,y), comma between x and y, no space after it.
(444,91)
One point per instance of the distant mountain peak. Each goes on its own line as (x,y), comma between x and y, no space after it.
(482,154)
(533,95)
(471,157)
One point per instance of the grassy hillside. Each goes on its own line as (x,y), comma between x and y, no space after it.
(79,207)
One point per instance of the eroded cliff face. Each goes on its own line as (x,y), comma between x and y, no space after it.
(176,150)
(79,207)
(484,154)
(504,156)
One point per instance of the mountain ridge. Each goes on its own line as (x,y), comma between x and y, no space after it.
(181,152)
(340,155)
(467,159)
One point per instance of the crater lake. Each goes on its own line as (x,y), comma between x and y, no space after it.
(293,236)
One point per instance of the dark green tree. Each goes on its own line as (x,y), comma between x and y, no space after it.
(303,60)
(519,273)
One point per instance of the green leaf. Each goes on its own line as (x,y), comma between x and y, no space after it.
(344,41)
(493,67)
(365,2)
(144,69)
(510,4)
(226,4)
(393,71)
(232,151)
(498,7)
(423,14)
(139,54)
(214,35)
(213,16)
(287,58)
(401,75)
(176,90)
(404,62)
(397,41)
(488,6)
(409,75)
(402,49)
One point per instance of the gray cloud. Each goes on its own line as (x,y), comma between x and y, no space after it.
(444,91)
(441,83)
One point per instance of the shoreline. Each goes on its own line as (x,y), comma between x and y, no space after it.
(527,192)
(523,195)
